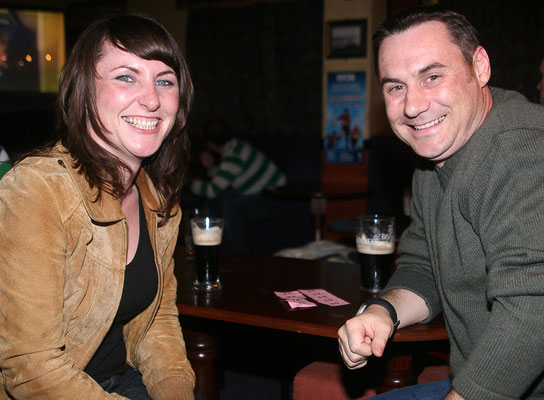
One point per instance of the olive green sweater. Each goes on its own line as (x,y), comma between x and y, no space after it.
(475,250)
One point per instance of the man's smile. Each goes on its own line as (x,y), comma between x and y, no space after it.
(429,124)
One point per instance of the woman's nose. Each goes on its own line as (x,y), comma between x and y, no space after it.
(149,97)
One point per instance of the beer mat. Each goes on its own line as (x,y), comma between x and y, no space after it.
(294,299)
(297,298)
(294,295)
(324,297)
(300,303)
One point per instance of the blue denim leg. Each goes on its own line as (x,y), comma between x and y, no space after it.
(129,385)
(427,391)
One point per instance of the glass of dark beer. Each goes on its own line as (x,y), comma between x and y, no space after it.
(207,233)
(375,244)
(189,214)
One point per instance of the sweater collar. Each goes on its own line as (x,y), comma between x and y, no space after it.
(446,171)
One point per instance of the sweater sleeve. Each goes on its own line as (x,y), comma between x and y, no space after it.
(506,210)
(33,249)
(414,271)
(230,167)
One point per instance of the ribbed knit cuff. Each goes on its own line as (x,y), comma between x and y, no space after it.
(469,389)
(175,388)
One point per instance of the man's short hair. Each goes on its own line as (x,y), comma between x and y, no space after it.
(461,32)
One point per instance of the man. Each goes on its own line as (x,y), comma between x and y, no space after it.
(540,85)
(475,247)
(238,174)
(241,167)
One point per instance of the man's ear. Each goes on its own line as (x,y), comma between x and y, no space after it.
(481,65)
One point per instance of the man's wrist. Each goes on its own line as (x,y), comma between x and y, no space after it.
(385,304)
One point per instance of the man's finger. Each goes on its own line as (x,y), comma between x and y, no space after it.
(379,341)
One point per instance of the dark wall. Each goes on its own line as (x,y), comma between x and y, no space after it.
(27,121)
(512,32)
(258,67)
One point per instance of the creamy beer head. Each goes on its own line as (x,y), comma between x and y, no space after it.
(207,237)
(377,247)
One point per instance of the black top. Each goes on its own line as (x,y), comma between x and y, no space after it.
(139,290)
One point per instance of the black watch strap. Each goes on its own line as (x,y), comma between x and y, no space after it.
(385,304)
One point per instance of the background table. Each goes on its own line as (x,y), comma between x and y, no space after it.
(247,297)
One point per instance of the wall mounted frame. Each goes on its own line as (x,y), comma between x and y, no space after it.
(346,39)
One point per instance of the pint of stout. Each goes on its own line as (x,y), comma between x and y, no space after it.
(375,245)
(207,233)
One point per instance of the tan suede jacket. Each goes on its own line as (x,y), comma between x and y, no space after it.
(62,265)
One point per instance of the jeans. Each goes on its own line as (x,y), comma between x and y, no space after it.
(427,391)
(129,385)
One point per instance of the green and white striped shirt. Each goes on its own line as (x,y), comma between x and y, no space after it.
(243,168)
(5,164)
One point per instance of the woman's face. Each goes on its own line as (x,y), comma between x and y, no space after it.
(137,102)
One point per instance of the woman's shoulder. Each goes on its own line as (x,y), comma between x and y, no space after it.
(43,177)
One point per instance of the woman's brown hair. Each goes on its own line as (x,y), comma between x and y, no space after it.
(147,39)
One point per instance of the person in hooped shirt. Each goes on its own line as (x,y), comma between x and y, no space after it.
(5,163)
(233,164)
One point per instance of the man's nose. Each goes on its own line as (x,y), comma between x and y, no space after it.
(415,102)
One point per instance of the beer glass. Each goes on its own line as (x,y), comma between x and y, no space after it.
(207,233)
(188,214)
(375,244)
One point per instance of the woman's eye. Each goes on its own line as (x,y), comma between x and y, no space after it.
(124,78)
(165,82)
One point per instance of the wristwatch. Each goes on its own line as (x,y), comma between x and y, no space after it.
(385,304)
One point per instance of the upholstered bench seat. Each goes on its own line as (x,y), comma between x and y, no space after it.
(323,381)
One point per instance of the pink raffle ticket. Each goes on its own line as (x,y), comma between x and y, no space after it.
(297,298)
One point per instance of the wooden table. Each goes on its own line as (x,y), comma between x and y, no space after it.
(247,298)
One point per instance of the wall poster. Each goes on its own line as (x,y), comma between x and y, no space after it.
(345,117)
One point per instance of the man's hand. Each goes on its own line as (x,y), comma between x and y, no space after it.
(365,335)
(368,333)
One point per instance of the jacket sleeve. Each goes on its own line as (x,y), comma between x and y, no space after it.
(33,252)
(161,355)
(506,209)
(414,271)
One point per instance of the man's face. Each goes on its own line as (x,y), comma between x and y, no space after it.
(540,85)
(434,101)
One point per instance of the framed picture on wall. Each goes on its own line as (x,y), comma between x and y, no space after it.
(345,39)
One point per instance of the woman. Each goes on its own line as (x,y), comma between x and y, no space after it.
(88,228)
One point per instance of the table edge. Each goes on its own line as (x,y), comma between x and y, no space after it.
(403,335)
